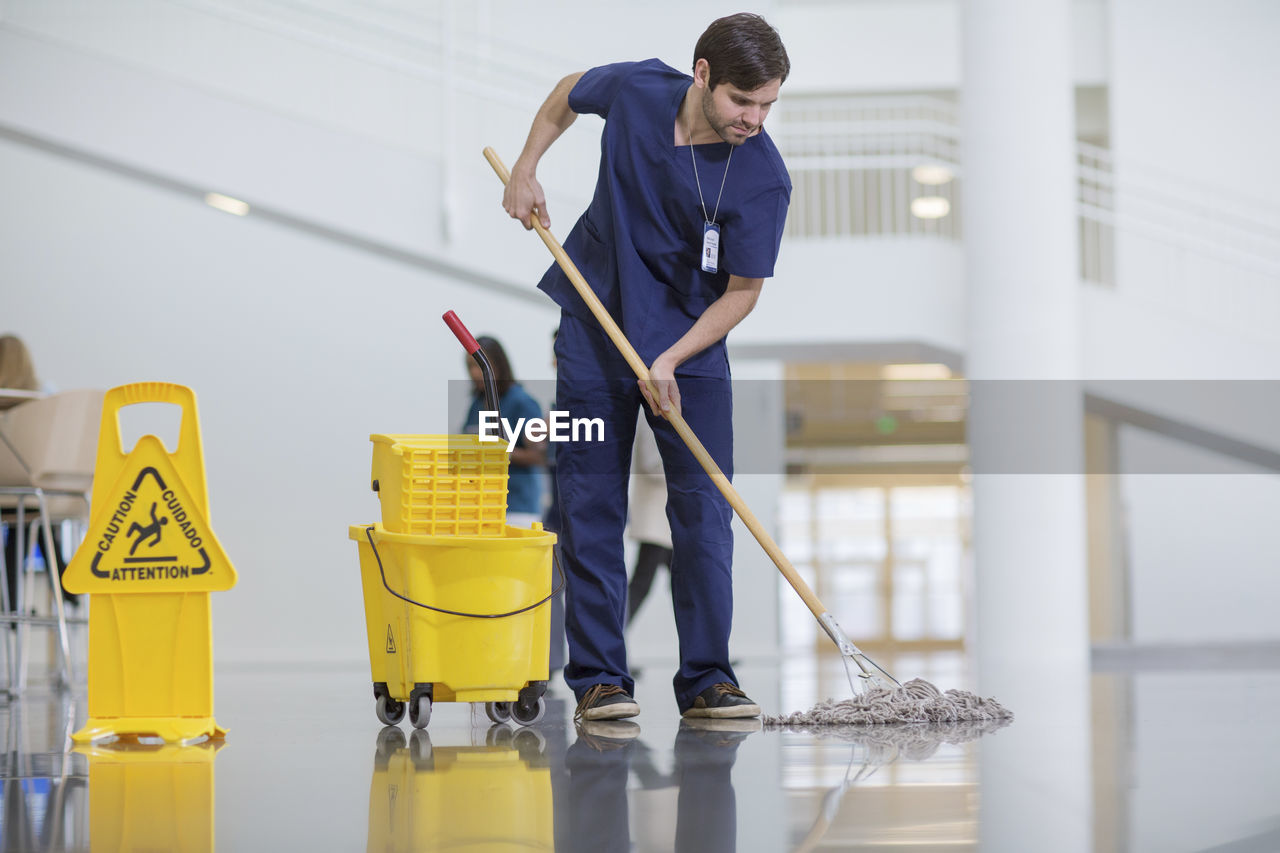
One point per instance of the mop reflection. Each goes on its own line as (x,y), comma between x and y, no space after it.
(145,796)
(527,789)
(875,747)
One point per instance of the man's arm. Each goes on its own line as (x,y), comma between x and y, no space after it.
(523,192)
(720,317)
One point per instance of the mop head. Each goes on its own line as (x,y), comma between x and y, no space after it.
(917,701)
(914,741)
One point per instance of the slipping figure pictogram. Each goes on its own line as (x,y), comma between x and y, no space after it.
(151,531)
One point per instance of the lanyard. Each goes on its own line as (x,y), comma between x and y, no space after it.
(698,182)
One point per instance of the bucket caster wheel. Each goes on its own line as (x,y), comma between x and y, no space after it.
(390,712)
(526,714)
(500,735)
(420,750)
(390,739)
(420,712)
(499,712)
(531,744)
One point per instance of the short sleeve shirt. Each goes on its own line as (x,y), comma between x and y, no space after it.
(524,482)
(639,243)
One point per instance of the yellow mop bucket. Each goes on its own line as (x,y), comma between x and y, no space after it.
(457,619)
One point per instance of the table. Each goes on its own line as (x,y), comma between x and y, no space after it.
(10,397)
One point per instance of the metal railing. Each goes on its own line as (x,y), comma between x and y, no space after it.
(1191,249)
(1096,201)
(871,166)
(856,166)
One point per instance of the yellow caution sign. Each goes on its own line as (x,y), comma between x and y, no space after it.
(149,534)
(150,559)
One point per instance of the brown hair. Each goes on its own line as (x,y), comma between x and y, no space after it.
(503,376)
(743,51)
(16,368)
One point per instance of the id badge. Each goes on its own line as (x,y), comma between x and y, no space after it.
(710,247)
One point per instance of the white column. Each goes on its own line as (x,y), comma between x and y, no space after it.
(1030,630)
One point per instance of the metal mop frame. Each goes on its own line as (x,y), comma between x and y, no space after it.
(848,651)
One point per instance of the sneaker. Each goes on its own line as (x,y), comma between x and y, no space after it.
(607,702)
(723,700)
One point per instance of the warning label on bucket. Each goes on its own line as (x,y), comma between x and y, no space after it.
(149,536)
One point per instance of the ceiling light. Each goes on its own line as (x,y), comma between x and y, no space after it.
(930,207)
(226,203)
(932,174)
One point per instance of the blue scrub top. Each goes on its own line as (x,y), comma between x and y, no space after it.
(639,242)
(524,482)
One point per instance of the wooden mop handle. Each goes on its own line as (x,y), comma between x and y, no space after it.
(695,446)
(566,263)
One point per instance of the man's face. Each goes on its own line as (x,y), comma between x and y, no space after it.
(737,115)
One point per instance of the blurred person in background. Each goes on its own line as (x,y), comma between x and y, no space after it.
(17,370)
(647,523)
(18,373)
(524,475)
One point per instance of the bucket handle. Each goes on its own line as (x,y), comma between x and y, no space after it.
(368,532)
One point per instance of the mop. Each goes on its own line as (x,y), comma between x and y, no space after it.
(879,697)
(917,701)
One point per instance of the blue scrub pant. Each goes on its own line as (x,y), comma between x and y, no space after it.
(591,478)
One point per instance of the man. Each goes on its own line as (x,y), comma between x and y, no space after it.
(683,229)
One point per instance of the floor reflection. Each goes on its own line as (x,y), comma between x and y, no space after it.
(1178,761)
(44,788)
(518,788)
(44,803)
(897,800)
(603,758)
(491,796)
(151,796)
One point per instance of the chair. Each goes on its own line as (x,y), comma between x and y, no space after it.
(48,448)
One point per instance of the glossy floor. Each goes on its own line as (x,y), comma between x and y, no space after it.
(1168,760)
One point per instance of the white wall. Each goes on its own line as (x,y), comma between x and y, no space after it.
(1192,84)
(296,348)
(1202,541)
(1193,88)
(872,289)
(896,46)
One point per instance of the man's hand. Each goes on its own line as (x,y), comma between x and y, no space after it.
(523,195)
(662,375)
